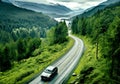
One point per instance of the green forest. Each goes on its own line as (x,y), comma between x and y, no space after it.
(29,42)
(20,33)
(101,61)
(23,59)
(17,22)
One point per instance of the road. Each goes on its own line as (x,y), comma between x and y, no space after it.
(66,64)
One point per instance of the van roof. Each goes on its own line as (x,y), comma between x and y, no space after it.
(50,67)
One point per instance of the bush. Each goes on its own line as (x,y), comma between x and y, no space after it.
(23,75)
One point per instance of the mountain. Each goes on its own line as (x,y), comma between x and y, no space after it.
(12,12)
(49,9)
(7,1)
(108,2)
(103,29)
(45,8)
(13,18)
(93,10)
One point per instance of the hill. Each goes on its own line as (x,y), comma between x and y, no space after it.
(45,8)
(15,13)
(101,31)
(53,10)
(12,17)
(93,10)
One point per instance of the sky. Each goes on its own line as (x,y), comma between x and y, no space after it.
(72,4)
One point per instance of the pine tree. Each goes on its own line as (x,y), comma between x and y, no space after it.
(61,33)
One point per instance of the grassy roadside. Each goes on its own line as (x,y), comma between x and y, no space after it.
(83,60)
(26,69)
(90,70)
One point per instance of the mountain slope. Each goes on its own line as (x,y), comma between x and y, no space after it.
(95,9)
(49,9)
(15,14)
(45,8)
(101,61)
(13,18)
(108,2)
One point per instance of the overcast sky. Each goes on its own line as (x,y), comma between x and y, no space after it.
(73,4)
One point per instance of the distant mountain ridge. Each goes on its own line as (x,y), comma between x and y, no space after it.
(108,2)
(93,10)
(49,9)
(12,12)
(45,8)
(13,18)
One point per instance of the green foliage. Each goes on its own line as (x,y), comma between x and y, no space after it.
(79,26)
(75,27)
(57,34)
(50,36)
(104,30)
(21,47)
(20,33)
(5,62)
(17,22)
(23,75)
(90,70)
(33,44)
(16,51)
(22,52)
(61,33)
(26,69)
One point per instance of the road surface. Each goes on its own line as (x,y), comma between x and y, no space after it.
(66,64)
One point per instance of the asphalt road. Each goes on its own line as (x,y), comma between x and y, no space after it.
(66,64)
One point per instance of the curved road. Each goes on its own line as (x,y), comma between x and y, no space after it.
(66,64)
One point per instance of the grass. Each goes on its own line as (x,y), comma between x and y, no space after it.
(91,70)
(26,69)
(80,66)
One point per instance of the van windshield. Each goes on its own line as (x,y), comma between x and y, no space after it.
(48,71)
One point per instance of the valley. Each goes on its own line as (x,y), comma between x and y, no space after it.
(36,35)
(65,64)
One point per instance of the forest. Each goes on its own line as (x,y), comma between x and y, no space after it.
(22,33)
(29,42)
(102,64)
(23,59)
(15,22)
(26,57)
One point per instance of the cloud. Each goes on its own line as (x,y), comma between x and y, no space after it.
(72,4)
(77,4)
(37,1)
